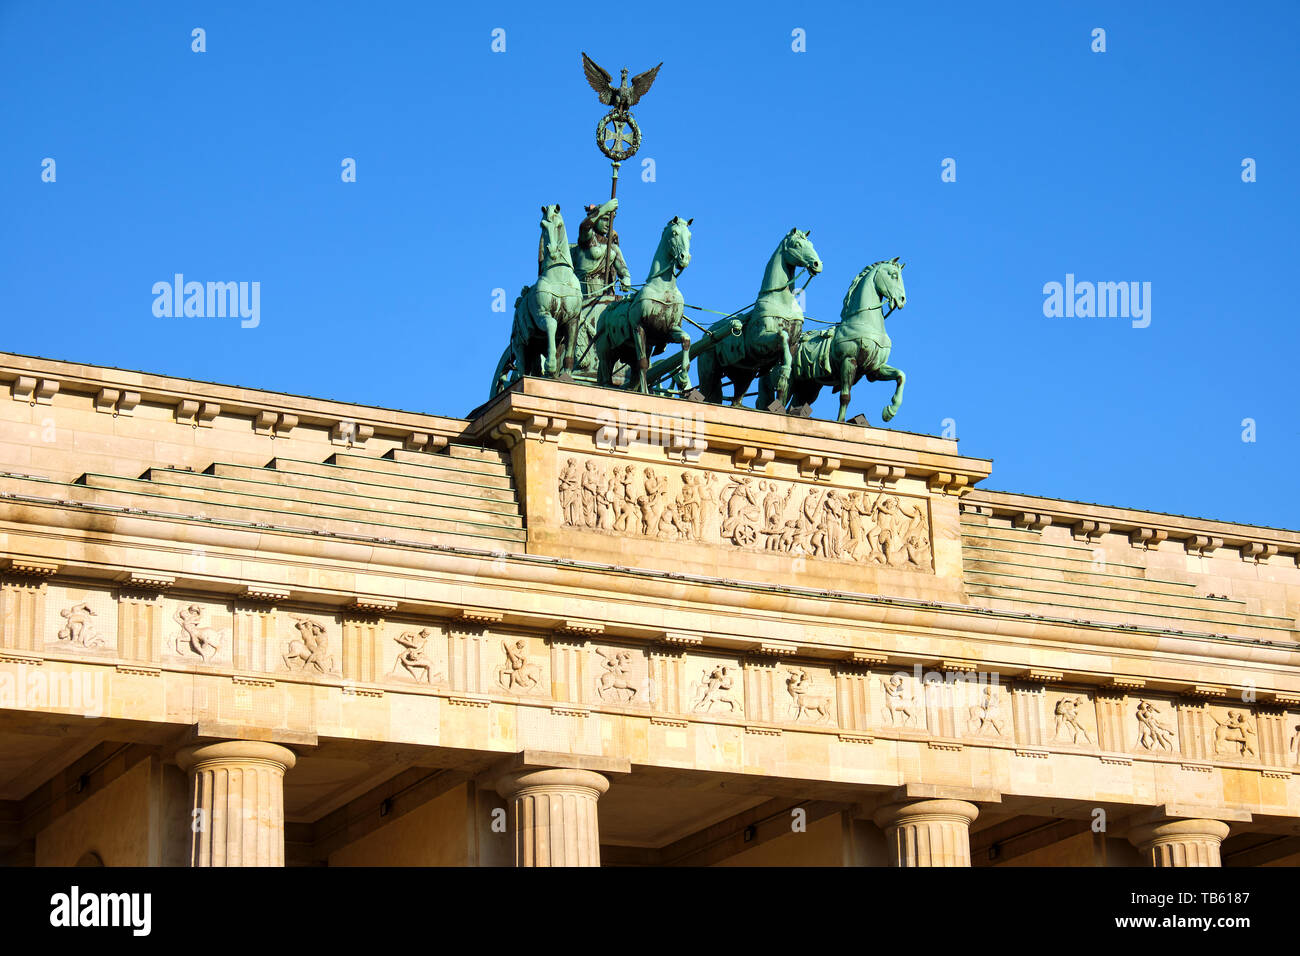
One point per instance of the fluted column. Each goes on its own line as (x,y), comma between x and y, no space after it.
(928,832)
(238,802)
(1180,842)
(553,813)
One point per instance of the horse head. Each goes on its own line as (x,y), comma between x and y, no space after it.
(889,283)
(677,242)
(555,240)
(797,250)
(882,282)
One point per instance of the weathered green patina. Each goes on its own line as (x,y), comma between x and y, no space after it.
(858,346)
(546,313)
(631,330)
(770,327)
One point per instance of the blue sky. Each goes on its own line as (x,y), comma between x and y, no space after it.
(1115,166)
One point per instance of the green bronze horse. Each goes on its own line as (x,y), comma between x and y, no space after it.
(858,346)
(631,330)
(546,313)
(771,327)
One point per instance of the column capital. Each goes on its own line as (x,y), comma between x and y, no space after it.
(926,811)
(241,752)
(933,832)
(1188,842)
(518,781)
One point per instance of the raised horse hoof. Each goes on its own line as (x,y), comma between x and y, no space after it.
(887,413)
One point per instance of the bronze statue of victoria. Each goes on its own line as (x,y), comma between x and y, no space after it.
(584,320)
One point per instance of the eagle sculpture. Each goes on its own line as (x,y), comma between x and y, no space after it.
(621,97)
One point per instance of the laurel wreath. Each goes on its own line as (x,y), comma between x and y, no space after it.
(618,155)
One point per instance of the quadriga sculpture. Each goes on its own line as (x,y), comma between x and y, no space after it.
(631,330)
(858,346)
(771,327)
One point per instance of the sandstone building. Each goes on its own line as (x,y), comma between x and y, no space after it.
(581,626)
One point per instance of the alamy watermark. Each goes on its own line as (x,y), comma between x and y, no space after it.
(75,908)
(37,690)
(211,300)
(1102,300)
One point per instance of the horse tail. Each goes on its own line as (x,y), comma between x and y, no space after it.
(498,385)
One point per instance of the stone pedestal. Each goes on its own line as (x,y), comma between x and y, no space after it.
(1180,842)
(238,802)
(927,832)
(553,816)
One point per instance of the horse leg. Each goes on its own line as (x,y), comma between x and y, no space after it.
(888,373)
(783,370)
(567,332)
(710,378)
(550,363)
(684,376)
(741,379)
(848,365)
(642,360)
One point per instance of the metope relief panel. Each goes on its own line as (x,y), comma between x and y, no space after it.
(197,632)
(80,621)
(1232,733)
(741,511)
(1071,719)
(898,700)
(715,686)
(622,676)
(984,710)
(519,664)
(413,654)
(309,644)
(1150,725)
(807,696)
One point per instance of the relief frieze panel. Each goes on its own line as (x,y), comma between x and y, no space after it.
(80,621)
(309,647)
(670,681)
(744,511)
(415,655)
(197,632)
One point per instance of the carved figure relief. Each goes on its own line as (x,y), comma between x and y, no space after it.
(310,649)
(1067,719)
(616,679)
(414,656)
(79,628)
(195,639)
(1236,732)
(820,707)
(761,514)
(518,673)
(715,688)
(986,715)
(1294,745)
(897,702)
(1153,734)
